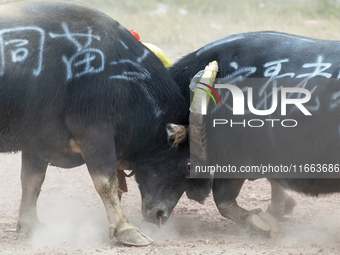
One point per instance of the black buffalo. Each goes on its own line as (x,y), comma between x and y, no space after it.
(304,137)
(76,87)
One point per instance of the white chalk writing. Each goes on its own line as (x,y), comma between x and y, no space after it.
(274,68)
(289,36)
(86,60)
(335,100)
(20,43)
(319,69)
(273,71)
(19,51)
(137,71)
(240,73)
(219,42)
(242,36)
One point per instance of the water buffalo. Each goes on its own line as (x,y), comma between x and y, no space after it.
(76,87)
(261,70)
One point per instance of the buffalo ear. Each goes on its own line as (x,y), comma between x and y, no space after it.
(177,134)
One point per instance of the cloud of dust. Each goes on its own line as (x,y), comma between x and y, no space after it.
(174,228)
(74,216)
(321,229)
(69,224)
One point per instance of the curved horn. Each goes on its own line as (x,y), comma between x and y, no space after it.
(198,110)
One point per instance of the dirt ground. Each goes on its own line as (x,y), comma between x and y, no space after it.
(75,220)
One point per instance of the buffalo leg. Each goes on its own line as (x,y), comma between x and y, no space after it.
(119,225)
(33,172)
(281,204)
(99,155)
(225,192)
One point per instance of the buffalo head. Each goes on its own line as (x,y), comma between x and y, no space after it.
(161,185)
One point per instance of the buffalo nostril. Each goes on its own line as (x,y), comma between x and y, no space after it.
(161,217)
(160,214)
(156,215)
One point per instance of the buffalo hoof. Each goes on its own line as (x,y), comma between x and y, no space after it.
(264,223)
(281,209)
(130,236)
(28,227)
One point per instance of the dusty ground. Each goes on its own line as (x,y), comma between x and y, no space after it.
(76,221)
